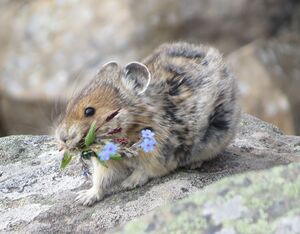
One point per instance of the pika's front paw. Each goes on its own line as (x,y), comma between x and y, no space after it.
(88,197)
(134,180)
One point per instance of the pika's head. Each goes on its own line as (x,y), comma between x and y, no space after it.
(106,100)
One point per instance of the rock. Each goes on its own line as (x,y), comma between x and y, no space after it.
(2,130)
(37,197)
(268,72)
(295,21)
(221,24)
(29,116)
(50,46)
(248,203)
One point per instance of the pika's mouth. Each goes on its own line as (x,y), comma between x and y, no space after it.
(73,144)
(79,142)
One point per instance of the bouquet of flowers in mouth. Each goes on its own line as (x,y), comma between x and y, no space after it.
(106,148)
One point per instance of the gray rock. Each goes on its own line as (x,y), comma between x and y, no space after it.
(2,130)
(268,72)
(37,197)
(29,116)
(261,202)
(281,58)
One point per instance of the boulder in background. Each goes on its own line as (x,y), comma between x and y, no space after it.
(269,78)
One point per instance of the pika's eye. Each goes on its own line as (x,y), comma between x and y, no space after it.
(89,111)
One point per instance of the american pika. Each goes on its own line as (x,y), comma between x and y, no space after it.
(182,92)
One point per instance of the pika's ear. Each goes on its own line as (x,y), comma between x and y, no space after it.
(109,66)
(136,77)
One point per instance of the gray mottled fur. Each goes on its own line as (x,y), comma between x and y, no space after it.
(202,124)
(192,105)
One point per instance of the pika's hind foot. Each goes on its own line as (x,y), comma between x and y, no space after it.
(88,197)
(137,178)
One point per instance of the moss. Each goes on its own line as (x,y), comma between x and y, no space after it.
(135,227)
(262,226)
(292,190)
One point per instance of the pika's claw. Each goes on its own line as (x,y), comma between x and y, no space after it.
(88,197)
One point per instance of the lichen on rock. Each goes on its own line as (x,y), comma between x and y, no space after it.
(257,202)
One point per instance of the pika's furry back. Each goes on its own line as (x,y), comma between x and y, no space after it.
(195,96)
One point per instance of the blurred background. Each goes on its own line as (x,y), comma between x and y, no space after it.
(50,48)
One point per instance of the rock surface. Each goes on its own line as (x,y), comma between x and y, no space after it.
(37,197)
(261,203)
(2,130)
(268,72)
(50,46)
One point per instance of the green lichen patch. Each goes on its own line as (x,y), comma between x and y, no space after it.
(251,203)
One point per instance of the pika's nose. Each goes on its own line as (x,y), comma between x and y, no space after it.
(63,137)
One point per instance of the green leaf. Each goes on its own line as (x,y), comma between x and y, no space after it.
(65,160)
(116,157)
(91,135)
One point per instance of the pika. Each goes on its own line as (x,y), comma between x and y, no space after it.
(184,93)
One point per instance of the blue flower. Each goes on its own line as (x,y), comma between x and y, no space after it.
(104,155)
(147,133)
(108,150)
(148,144)
(111,148)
